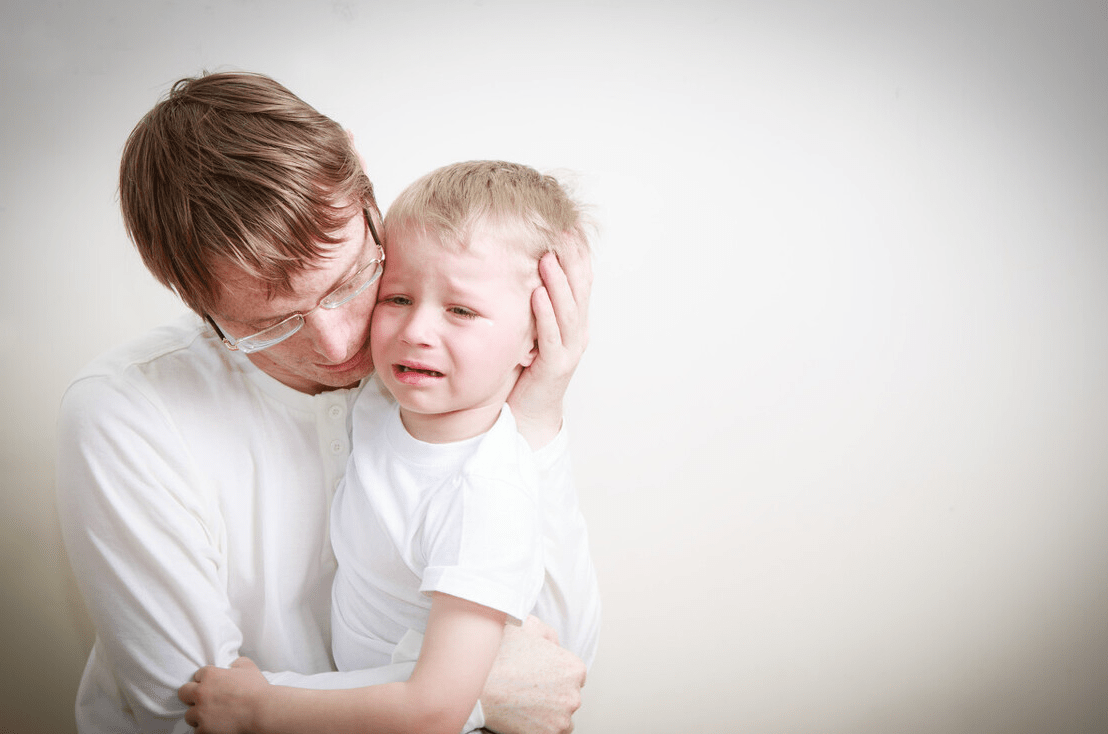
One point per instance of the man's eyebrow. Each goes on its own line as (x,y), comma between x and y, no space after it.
(258,322)
(339,279)
(263,322)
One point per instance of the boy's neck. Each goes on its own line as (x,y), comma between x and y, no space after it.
(450,427)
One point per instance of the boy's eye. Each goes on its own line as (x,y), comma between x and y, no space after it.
(463,312)
(396,300)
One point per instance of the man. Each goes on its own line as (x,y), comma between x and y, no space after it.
(197,464)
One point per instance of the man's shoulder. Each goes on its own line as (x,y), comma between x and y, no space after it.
(179,352)
(179,335)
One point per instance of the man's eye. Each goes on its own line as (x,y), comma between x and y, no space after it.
(465,313)
(269,324)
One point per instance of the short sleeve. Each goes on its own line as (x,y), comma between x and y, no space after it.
(483,538)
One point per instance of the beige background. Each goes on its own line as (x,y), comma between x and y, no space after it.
(840,433)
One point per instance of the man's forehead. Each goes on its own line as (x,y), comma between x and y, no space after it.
(247,295)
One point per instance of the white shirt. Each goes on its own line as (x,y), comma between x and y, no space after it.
(194,493)
(411,518)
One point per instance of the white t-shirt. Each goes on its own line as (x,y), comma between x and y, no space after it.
(465,518)
(194,496)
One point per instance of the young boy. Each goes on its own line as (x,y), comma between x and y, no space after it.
(438,528)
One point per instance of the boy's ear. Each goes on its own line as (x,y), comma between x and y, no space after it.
(531,355)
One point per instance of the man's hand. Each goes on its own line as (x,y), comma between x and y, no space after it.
(534,686)
(222,700)
(561,308)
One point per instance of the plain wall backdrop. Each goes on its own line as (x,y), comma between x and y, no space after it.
(842,427)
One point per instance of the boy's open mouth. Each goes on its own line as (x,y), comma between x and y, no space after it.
(404,368)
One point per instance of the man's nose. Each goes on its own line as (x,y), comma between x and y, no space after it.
(334,332)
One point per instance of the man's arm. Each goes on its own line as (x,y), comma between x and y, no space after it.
(147,546)
(535,685)
(146,564)
(458,649)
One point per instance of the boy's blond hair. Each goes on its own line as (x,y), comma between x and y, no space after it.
(532,209)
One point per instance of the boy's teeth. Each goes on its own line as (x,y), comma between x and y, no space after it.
(405,368)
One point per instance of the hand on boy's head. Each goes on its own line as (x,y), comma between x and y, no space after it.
(568,280)
(561,307)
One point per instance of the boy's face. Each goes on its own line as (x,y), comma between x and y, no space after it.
(453,329)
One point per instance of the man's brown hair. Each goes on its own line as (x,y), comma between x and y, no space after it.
(234,168)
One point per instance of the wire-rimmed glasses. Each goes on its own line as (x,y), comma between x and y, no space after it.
(346,291)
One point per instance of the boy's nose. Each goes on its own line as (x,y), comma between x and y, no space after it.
(418,328)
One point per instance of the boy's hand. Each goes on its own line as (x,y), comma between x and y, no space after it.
(224,700)
(561,308)
(535,685)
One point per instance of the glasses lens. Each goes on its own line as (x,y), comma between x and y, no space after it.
(273,335)
(277,333)
(353,287)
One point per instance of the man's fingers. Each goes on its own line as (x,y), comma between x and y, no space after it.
(567,285)
(576,263)
(536,626)
(578,269)
(187,693)
(547,331)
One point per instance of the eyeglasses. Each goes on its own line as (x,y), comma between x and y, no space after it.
(347,291)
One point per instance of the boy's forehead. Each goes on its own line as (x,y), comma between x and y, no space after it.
(510,232)
(488,244)
(481,261)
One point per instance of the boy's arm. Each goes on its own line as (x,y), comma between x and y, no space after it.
(561,310)
(534,686)
(459,646)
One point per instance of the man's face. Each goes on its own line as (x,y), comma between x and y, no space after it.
(331,350)
(453,329)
